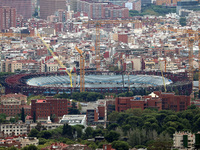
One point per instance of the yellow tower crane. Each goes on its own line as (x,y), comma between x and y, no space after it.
(82,69)
(57,59)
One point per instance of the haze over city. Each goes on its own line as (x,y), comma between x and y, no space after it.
(99,74)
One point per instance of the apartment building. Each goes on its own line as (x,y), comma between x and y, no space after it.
(7,17)
(23,7)
(49,106)
(49,7)
(133,5)
(17,129)
(183,140)
(21,97)
(49,67)
(10,66)
(102,10)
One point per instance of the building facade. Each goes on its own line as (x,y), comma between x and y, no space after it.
(17,129)
(102,10)
(142,102)
(21,97)
(7,17)
(10,66)
(133,5)
(185,140)
(43,108)
(23,7)
(49,7)
(159,100)
(12,104)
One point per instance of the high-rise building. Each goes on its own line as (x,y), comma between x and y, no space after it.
(102,10)
(7,17)
(23,7)
(48,7)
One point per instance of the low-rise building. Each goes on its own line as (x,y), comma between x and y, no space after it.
(183,140)
(74,120)
(10,66)
(12,104)
(18,141)
(21,97)
(29,141)
(42,108)
(16,129)
(158,100)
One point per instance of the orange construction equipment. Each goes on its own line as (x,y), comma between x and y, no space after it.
(82,70)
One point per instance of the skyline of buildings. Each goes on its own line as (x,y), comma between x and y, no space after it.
(23,7)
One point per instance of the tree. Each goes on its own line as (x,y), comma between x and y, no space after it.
(42,141)
(53,118)
(11,148)
(45,134)
(30,147)
(112,126)
(88,132)
(22,115)
(112,136)
(39,127)
(120,145)
(67,130)
(73,109)
(33,133)
(159,145)
(113,116)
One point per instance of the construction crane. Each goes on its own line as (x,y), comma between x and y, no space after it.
(56,58)
(82,69)
(192,36)
(98,24)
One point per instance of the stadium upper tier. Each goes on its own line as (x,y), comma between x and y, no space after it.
(93,81)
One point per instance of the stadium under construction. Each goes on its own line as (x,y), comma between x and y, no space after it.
(103,82)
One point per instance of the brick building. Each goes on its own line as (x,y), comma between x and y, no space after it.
(102,10)
(49,7)
(92,116)
(23,7)
(21,97)
(7,17)
(158,100)
(12,104)
(49,106)
(170,101)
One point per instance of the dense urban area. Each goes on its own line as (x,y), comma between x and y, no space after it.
(99,74)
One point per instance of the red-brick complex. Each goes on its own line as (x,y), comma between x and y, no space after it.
(170,101)
(49,106)
(162,101)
